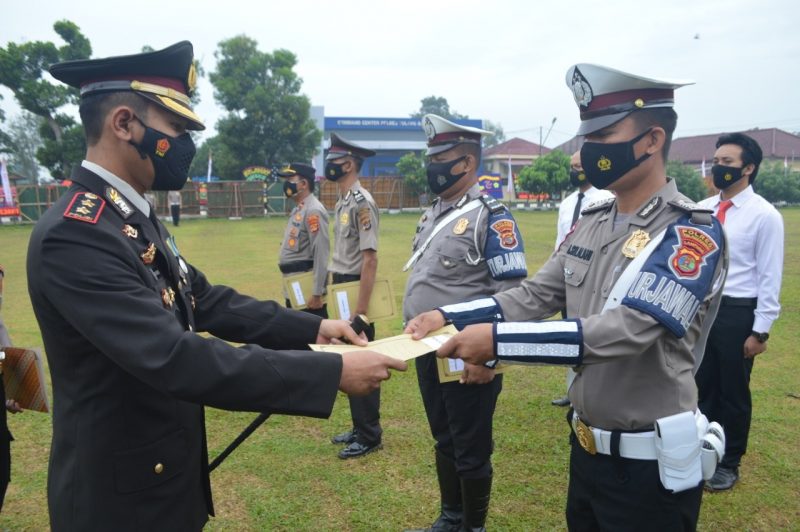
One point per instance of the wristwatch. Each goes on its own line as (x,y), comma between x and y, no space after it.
(761,337)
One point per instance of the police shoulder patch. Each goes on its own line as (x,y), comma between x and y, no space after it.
(599,205)
(504,250)
(85,207)
(678,275)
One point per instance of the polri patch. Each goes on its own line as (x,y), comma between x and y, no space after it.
(365,219)
(506,233)
(313,223)
(85,207)
(694,245)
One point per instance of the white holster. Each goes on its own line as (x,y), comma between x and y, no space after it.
(688,449)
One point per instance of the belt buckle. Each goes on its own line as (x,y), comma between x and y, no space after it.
(585,437)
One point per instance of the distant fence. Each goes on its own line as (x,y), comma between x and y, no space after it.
(233,199)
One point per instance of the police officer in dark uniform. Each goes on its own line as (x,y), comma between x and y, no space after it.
(355,258)
(120,307)
(306,243)
(467,245)
(640,276)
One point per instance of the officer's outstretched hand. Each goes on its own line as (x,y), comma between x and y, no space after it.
(473,345)
(423,324)
(339,330)
(363,371)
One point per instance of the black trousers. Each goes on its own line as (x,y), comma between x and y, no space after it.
(620,494)
(460,418)
(175,210)
(365,411)
(723,380)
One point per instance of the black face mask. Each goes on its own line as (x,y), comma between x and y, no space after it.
(577,178)
(605,163)
(334,171)
(289,189)
(725,176)
(171,156)
(440,177)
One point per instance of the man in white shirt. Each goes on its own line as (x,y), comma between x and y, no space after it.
(569,212)
(750,298)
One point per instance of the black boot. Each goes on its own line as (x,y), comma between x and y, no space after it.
(449,519)
(475,493)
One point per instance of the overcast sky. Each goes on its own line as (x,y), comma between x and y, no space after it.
(502,60)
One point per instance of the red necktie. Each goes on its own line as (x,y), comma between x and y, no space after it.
(723,208)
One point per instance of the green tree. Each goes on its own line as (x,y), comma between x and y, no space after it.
(223,163)
(268,119)
(777,184)
(493,140)
(23,140)
(688,180)
(412,167)
(548,174)
(21,70)
(437,105)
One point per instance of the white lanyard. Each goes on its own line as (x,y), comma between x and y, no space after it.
(471,206)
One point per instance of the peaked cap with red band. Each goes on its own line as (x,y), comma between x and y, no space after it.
(443,134)
(605,95)
(166,77)
(341,147)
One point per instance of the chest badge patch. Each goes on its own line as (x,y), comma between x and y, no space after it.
(344,219)
(689,257)
(635,243)
(130,231)
(149,254)
(461,226)
(168,297)
(505,233)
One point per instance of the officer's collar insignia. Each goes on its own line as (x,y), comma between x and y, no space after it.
(461,226)
(690,254)
(130,231)
(123,207)
(85,207)
(149,254)
(168,297)
(635,243)
(650,208)
(581,89)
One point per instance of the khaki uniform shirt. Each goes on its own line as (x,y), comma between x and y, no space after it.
(355,230)
(306,238)
(635,371)
(454,266)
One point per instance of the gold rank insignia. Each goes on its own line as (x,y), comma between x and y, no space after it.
(168,297)
(129,231)
(149,254)
(344,218)
(461,226)
(85,207)
(635,243)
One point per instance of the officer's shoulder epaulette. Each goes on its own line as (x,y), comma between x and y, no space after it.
(360,198)
(492,204)
(599,205)
(699,215)
(85,207)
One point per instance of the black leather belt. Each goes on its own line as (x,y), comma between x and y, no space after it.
(345,277)
(297,266)
(729,301)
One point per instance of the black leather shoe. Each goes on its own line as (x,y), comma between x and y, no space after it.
(724,479)
(356,449)
(344,438)
(561,401)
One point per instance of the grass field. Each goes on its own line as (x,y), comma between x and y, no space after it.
(287,475)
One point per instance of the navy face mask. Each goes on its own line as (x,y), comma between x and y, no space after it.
(334,171)
(577,178)
(725,176)
(289,189)
(604,163)
(171,156)
(440,177)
